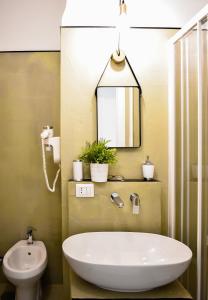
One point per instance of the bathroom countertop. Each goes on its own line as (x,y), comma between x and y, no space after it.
(81,289)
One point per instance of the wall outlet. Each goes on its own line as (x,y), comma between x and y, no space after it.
(85,190)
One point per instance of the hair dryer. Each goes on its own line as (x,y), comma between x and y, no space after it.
(50,143)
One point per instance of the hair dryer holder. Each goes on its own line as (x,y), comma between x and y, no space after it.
(53,143)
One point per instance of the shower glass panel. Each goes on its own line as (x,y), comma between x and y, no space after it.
(178,139)
(190,127)
(204,27)
(188,148)
(186,129)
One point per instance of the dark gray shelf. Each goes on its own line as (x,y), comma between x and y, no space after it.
(126,180)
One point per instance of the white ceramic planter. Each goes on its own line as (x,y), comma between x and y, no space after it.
(99,172)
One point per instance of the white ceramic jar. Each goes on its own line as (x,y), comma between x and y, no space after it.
(148,169)
(77,170)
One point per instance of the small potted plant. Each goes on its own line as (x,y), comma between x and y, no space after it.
(99,156)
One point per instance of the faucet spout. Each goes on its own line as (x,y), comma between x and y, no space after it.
(115,198)
(29,235)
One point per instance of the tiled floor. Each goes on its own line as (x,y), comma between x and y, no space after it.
(6,292)
(51,292)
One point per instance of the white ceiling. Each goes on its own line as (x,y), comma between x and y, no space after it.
(34,24)
(141,13)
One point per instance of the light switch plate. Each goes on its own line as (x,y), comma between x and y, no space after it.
(85,190)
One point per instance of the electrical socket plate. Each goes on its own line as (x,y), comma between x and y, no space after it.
(85,190)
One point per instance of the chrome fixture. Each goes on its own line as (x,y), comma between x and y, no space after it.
(134,197)
(29,235)
(115,198)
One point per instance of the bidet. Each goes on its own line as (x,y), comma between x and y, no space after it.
(23,265)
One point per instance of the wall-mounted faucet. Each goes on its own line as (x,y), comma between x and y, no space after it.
(115,198)
(134,197)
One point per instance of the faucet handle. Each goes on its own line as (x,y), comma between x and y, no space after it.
(134,197)
(30,229)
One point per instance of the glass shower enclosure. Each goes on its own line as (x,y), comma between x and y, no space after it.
(188,147)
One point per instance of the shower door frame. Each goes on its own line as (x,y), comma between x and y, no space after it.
(196,21)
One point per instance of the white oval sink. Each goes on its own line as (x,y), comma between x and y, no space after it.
(126,261)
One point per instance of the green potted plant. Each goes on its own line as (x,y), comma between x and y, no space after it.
(99,156)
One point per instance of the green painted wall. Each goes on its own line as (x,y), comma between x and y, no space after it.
(29,99)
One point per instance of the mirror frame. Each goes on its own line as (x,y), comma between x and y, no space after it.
(119,58)
(140,115)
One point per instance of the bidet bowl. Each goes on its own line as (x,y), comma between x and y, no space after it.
(25,263)
(126,261)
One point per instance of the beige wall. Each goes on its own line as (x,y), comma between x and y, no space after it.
(85,53)
(100,214)
(29,97)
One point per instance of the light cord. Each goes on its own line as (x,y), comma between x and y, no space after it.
(119,37)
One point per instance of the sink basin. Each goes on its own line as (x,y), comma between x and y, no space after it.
(126,261)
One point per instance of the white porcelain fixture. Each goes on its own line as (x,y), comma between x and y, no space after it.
(126,261)
(23,266)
